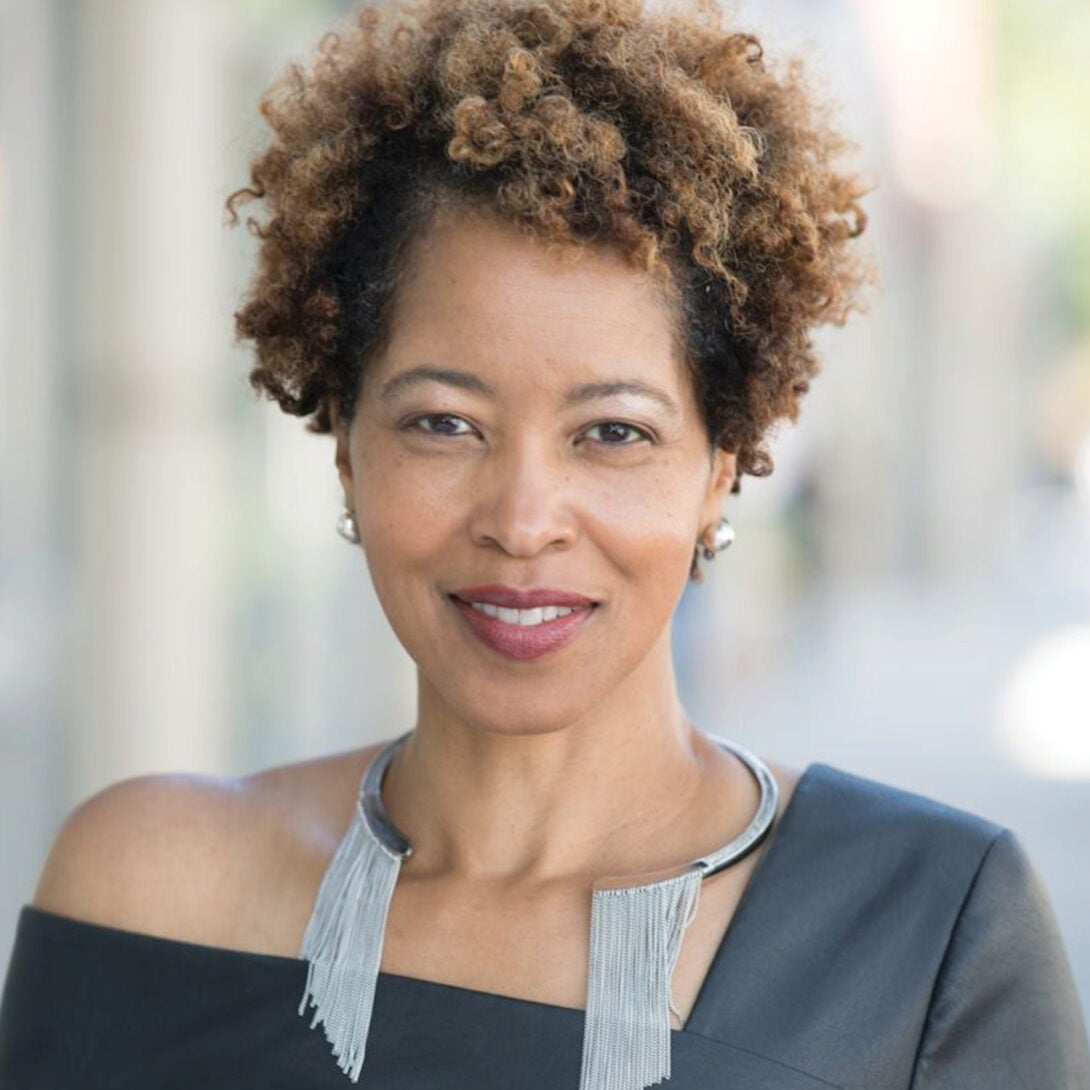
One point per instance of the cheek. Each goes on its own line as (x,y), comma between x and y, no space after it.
(404,538)
(406,519)
(639,519)
(647,520)
(403,499)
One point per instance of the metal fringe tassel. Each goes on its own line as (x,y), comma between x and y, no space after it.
(343,941)
(635,939)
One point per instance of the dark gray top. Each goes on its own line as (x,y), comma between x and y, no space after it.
(884,942)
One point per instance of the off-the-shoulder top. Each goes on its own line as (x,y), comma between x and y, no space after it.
(885,941)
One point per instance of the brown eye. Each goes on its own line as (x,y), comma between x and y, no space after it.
(614,432)
(438,424)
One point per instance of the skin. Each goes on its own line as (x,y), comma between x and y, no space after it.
(524,781)
(526,764)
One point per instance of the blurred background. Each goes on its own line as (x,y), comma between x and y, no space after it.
(908,596)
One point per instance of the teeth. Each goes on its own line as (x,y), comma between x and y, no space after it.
(527,618)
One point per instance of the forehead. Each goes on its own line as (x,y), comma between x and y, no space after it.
(479,294)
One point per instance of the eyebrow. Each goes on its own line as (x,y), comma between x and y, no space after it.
(465,380)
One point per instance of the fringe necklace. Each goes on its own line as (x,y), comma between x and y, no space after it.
(635,939)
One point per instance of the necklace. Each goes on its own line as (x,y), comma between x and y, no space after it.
(635,938)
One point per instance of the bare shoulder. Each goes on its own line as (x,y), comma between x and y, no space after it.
(217,860)
(144,852)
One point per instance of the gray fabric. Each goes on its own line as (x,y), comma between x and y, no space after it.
(885,942)
(888,940)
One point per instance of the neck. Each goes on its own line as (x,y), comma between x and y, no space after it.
(622,790)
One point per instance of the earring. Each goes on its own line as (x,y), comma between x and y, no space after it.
(724,535)
(347,528)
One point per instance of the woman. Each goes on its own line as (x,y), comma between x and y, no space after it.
(546,271)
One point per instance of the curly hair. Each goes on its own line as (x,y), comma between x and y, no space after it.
(577,121)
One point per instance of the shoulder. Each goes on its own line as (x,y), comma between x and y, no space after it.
(879,867)
(196,857)
(1003,1002)
(907,872)
(143,852)
(875,816)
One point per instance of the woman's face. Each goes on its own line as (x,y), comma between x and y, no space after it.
(529,427)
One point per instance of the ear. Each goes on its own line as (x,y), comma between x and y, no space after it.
(720,478)
(341,454)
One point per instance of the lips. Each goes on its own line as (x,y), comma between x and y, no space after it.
(512,598)
(525,642)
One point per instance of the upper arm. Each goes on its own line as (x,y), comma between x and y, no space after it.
(1004,1013)
(152,853)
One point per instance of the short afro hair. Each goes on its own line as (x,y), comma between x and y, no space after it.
(576,121)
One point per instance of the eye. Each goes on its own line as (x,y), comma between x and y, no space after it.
(615,429)
(438,424)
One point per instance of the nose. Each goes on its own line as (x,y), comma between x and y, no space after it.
(522,501)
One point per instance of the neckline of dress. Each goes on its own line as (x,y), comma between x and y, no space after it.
(772,847)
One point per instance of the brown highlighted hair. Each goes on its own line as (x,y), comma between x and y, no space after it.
(579,121)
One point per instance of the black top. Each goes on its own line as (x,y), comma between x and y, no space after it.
(885,941)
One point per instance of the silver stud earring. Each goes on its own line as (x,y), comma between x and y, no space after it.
(724,535)
(347,528)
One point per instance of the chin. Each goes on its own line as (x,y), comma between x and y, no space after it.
(518,721)
(509,713)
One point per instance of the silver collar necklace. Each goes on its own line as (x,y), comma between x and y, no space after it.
(635,939)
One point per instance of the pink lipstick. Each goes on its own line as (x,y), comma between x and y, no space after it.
(521,624)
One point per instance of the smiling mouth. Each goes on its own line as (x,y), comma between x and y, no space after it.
(525,618)
(523,634)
